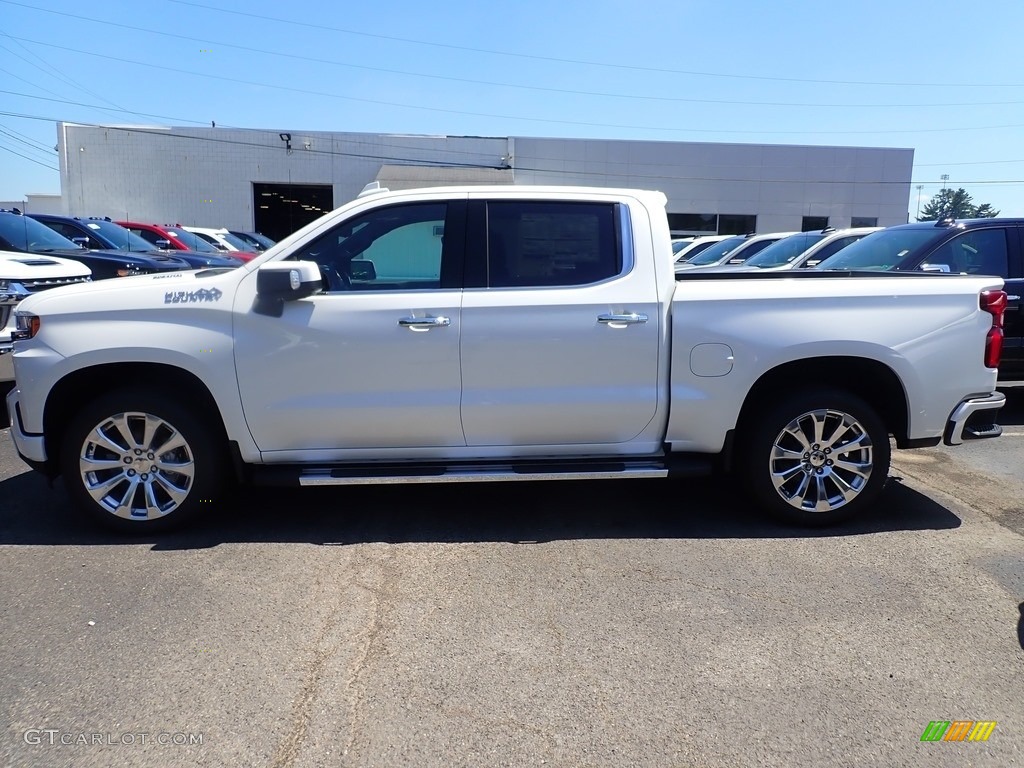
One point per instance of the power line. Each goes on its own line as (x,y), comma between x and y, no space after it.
(491,83)
(381,102)
(91,106)
(30,159)
(584,62)
(33,147)
(37,144)
(53,72)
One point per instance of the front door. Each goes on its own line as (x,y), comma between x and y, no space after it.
(372,363)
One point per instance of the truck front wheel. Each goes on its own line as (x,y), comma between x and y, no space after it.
(817,457)
(140,462)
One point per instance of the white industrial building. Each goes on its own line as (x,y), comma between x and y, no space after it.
(277,180)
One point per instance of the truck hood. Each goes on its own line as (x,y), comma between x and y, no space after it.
(16,266)
(204,286)
(141,259)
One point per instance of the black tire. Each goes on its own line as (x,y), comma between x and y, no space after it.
(127,495)
(797,482)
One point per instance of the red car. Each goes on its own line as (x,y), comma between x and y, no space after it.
(171,237)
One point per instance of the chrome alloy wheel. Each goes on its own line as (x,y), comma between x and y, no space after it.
(137,466)
(821,460)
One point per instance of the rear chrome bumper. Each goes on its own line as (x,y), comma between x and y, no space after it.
(975,419)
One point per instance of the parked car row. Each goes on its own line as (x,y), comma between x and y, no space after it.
(990,246)
(731,250)
(41,251)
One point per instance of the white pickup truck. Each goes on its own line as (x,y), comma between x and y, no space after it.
(21,275)
(495,333)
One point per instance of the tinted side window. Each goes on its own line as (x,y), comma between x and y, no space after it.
(827,250)
(386,249)
(149,236)
(976,252)
(544,244)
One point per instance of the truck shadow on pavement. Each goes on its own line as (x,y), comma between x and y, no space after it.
(526,512)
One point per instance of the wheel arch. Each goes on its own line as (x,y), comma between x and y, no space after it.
(873,381)
(71,392)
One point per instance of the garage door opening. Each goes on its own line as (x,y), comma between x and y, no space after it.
(280,209)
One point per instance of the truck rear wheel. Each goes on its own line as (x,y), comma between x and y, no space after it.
(817,457)
(140,462)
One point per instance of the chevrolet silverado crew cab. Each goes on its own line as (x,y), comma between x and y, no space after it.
(495,333)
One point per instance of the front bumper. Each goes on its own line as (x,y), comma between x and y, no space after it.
(974,419)
(31,448)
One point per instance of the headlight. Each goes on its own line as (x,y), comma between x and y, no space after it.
(26,326)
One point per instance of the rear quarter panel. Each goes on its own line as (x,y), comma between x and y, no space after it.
(929,330)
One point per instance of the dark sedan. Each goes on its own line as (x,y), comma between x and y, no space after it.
(23,233)
(95,233)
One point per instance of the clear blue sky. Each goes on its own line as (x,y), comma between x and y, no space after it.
(940,77)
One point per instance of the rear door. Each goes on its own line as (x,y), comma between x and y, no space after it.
(560,326)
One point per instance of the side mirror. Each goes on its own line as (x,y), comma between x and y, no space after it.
(163,245)
(81,242)
(935,268)
(362,269)
(283,281)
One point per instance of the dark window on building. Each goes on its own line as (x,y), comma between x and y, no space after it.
(736,224)
(685,223)
(864,221)
(280,209)
(551,244)
(812,223)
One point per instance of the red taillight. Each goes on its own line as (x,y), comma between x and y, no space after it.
(994,302)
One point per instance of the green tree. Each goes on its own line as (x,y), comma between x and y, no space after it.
(955,203)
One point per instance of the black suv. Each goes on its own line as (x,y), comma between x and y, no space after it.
(968,246)
(23,233)
(95,233)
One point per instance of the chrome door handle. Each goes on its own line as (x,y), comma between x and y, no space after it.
(424,323)
(626,318)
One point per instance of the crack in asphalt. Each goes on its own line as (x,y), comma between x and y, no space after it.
(291,744)
(355,685)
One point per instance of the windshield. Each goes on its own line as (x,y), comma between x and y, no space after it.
(784,251)
(236,241)
(119,237)
(192,240)
(23,233)
(262,239)
(880,250)
(254,239)
(717,251)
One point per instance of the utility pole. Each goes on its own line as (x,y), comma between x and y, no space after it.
(920,187)
(945,178)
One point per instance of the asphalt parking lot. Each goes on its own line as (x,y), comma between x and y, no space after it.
(614,623)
